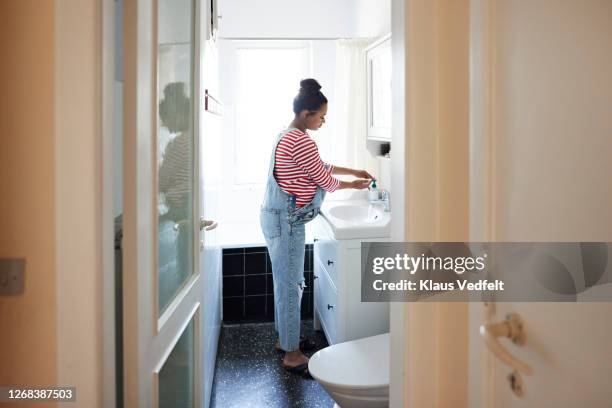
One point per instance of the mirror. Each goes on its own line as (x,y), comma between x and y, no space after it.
(378,57)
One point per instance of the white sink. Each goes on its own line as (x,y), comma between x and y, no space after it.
(353,219)
(356,213)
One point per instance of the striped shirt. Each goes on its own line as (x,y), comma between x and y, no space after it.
(299,169)
(175,176)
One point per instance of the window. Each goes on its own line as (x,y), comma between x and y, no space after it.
(268,78)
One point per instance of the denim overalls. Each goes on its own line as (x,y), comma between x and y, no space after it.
(283,228)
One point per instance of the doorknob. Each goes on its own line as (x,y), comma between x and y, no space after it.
(207,225)
(511,328)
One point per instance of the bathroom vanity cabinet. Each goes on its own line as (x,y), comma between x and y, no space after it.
(338,309)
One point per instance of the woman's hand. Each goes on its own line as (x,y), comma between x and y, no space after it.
(362,174)
(358,184)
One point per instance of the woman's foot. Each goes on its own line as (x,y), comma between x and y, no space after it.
(297,363)
(294,358)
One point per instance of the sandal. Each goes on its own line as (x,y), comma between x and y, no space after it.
(301,370)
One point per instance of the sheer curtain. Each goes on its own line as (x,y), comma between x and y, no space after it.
(349,142)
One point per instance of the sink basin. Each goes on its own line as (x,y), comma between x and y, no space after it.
(356,213)
(357,219)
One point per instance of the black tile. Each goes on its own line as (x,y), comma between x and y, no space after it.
(255,264)
(233,286)
(307,261)
(306,309)
(310,296)
(233,265)
(255,284)
(233,309)
(309,247)
(262,249)
(255,307)
(233,251)
(268,264)
(269,284)
(270,306)
(308,278)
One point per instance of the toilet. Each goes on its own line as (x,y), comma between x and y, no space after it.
(355,373)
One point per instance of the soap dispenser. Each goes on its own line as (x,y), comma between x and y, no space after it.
(373,194)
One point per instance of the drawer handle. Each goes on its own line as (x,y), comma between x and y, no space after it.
(330,262)
(315,277)
(330,306)
(316,239)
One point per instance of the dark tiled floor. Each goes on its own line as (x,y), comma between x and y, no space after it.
(249,373)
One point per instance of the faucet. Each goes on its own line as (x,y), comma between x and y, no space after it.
(385,199)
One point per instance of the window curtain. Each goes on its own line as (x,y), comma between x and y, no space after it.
(349,141)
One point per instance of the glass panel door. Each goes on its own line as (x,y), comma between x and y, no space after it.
(162,290)
(176,378)
(175,147)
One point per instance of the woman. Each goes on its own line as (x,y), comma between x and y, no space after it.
(297,182)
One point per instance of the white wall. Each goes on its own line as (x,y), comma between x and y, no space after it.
(299,19)
(27,212)
(372,18)
(286,18)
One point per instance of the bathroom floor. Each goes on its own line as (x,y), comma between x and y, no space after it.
(249,373)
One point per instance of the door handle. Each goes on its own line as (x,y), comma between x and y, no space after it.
(511,328)
(207,225)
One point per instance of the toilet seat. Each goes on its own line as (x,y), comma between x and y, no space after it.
(357,364)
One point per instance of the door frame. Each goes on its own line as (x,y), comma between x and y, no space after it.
(84,50)
(397,311)
(425,335)
(109,349)
(481,369)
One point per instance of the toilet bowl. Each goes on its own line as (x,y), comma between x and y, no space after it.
(355,373)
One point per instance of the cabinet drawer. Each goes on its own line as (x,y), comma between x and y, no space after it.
(326,305)
(326,252)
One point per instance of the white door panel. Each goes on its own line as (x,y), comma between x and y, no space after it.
(568,346)
(541,96)
(163,316)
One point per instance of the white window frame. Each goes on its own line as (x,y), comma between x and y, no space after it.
(230,166)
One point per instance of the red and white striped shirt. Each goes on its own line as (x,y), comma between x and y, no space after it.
(299,169)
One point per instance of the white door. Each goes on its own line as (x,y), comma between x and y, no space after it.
(541,130)
(163,294)
(210,188)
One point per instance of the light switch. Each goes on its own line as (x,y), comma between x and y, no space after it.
(11,276)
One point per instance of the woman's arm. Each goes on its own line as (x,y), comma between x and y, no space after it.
(352,172)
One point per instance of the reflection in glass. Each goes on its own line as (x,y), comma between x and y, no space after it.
(176,378)
(175,148)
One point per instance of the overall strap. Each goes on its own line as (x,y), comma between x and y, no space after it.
(273,155)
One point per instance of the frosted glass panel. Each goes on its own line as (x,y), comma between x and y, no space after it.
(176,378)
(175,148)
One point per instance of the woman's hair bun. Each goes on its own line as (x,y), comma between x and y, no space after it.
(309,84)
(309,97)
